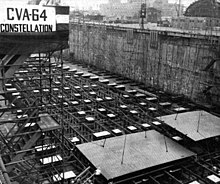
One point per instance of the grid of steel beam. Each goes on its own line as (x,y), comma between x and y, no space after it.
(81,106)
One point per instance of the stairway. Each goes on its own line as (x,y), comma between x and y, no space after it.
(20,139)
(2,56)
(19,163)
(11,63)
(15,164)
(24,125)
(25,143)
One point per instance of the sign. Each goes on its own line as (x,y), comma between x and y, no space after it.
(27,19)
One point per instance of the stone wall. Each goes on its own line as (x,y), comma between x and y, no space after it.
(172,63)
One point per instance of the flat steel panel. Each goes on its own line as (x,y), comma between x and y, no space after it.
(140,153)
(197,125)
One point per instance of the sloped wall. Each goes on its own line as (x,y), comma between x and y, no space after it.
(174,64)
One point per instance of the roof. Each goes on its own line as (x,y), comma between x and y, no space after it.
(204,8)
(140,153)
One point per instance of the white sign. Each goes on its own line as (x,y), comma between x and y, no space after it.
(27,19)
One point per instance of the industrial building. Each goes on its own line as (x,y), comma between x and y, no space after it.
(85,103)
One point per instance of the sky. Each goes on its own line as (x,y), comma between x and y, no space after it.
(80,3)
(185,2)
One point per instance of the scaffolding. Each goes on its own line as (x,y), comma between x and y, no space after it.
(49,106)
(31,131)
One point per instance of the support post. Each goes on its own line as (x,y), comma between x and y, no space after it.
(165,143)
(123,152)
(5,174)
(50,78)
(62,113)
(142,23)
(198,121)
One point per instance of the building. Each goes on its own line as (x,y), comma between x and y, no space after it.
(153,15)
(94,17)
(204,8)
(114,1)
(200,15)
(118,10)
(168,9)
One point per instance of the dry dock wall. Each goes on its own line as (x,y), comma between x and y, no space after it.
(173,63)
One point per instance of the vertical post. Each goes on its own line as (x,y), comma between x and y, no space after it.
(179,7)
(198,121)
(2,75)
(176,115)
(104,143)
(62,114)
(5,174)
(142,23)
(165,143)
(123,153)
(50,78)
(41,91)
(142,14)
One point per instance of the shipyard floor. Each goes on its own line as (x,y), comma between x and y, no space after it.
(65,122)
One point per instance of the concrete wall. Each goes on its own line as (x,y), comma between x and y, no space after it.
(172,63)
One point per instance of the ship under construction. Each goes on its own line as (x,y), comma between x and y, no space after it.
(66,121)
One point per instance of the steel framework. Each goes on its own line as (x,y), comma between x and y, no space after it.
(51,106)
